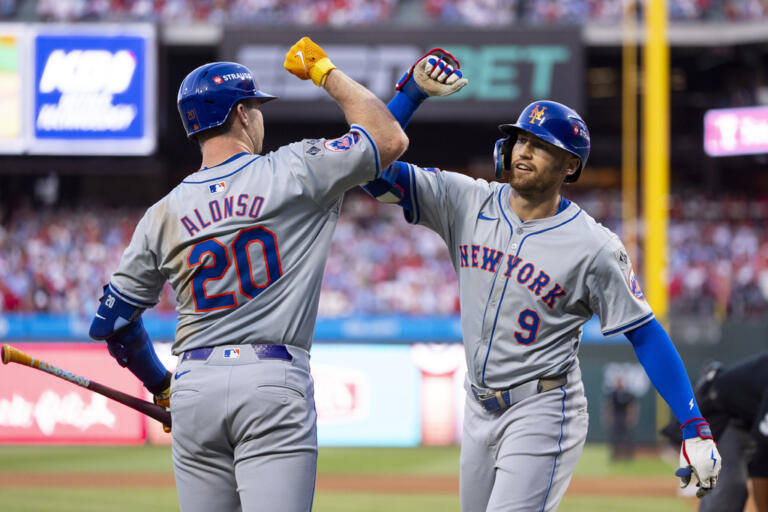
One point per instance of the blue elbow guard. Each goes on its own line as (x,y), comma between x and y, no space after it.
(120,324)
(385,188)
(113,314)
(388,188)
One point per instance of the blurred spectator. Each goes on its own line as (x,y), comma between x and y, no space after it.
(57,259)
(578,12)
(266,12)
(479,13)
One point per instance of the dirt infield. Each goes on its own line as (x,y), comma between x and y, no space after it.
(409,484)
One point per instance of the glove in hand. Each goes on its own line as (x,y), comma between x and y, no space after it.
(163,399)
(307,60)
(699,458)
(437,73)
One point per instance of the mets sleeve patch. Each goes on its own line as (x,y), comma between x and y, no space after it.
(343,143)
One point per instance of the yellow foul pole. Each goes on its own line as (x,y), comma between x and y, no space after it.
(629,130)
(656,156)
(656,167)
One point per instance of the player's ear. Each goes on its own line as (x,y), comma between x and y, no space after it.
(241,111)
(571,165)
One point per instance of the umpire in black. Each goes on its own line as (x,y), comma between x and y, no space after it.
(735,401)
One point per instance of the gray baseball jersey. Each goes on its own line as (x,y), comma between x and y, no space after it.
(244,244)
(526,288)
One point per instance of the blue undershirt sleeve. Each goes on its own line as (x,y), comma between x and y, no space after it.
(405,103)
(386,188)
(662,363)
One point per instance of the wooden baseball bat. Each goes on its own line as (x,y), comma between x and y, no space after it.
(13,355)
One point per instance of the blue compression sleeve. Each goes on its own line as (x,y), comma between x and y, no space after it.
(405,103)
(662,363)
(132,347)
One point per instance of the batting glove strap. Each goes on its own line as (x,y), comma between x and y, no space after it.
(696,427)
(700,458)
(319,72)
(406,102)
(411,89)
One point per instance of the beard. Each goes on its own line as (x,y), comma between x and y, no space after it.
(526,183)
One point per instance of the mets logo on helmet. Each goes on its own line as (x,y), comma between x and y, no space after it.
(537,114)
(343,143)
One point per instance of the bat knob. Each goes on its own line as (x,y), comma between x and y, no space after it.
(4,354)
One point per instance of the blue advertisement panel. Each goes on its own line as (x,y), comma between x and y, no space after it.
(94,90)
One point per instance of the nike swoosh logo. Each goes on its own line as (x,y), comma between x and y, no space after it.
(483,217)
(179,374)
(301,56)
(99,316)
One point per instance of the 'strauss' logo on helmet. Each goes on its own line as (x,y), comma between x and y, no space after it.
(537,114)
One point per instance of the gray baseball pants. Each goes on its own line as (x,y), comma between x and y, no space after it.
(244,432)
(522,459)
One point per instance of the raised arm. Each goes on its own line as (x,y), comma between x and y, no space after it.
(436,73)
(307,60)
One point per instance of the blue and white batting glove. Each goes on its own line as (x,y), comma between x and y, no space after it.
(699,457)
(437,73)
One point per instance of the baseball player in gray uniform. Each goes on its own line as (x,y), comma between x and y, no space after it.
(243,242)
(532,268)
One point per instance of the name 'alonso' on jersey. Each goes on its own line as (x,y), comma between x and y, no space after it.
(526,288)
(244,243)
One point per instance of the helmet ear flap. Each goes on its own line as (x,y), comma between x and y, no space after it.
(502,153)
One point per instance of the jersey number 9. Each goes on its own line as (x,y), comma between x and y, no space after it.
(220,263)
(528,320)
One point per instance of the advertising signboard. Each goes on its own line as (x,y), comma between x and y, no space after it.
(507,69)
(736,131)
(93,90)
(43,409)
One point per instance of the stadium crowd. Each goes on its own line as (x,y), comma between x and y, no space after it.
(57,260)
(366,12)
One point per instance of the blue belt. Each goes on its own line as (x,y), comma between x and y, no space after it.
(262,351)
(501,400)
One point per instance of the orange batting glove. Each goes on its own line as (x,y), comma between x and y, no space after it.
(163,399)
(307,60)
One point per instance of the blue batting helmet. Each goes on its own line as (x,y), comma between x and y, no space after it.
(208,93)
(552,122)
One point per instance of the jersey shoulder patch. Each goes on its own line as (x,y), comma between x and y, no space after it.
(343,143)
(626,267)
(313,148)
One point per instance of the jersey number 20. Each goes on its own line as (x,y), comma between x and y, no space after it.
(221,261)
